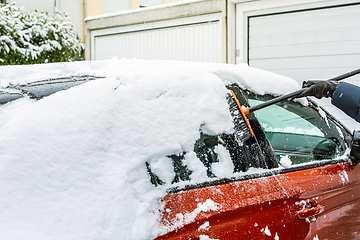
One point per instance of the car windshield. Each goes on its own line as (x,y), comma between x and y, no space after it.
(300,133)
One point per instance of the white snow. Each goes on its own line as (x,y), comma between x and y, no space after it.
(276,236)
(186,218)
(266,231)
(303,203)
(344,177)
(33,33)
(323,115)
(285,161)
(72,165)
(207,206)
(205,226)
(205,237)
(225,165)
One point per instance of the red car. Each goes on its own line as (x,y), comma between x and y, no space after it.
(164,143)
(314,194)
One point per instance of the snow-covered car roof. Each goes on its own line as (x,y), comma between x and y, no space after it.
(72,164)
(129,70)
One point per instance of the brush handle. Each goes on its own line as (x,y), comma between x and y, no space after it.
(298,92)
(345,75)
(276,100)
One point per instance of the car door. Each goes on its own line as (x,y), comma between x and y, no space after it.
(320,180)
(239,197)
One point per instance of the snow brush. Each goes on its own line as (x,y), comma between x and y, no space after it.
(243,124)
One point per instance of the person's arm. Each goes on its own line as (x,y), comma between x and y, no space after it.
(343,95)
(318,88)
(347,98)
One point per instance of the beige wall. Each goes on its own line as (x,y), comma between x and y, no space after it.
(94,7)
(135,4)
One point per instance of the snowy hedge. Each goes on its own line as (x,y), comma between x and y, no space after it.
(29,37)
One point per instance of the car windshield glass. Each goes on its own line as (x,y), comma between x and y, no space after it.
(278,119)
(299,133)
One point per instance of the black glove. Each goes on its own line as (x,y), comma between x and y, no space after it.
(318,88)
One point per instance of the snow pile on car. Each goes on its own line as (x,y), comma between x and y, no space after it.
(72,165)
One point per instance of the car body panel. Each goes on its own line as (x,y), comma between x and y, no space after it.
(249,209)
(335,188)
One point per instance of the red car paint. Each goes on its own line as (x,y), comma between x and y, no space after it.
(336,188)
(245,210)
(266,208)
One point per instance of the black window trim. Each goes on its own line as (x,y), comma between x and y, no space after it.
(266,173)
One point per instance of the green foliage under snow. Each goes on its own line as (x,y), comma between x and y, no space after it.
(29,37)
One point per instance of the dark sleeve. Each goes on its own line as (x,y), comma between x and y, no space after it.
(347,98)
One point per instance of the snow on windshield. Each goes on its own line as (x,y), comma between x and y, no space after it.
(72,165)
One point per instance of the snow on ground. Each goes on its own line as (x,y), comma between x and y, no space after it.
(72,165)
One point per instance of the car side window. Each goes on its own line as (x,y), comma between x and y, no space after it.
(301,133)
(221,155)
(210,151)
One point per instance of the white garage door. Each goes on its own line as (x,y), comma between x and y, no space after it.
(308,44)
(190,39)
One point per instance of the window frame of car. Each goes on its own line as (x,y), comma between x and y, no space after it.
(347,138)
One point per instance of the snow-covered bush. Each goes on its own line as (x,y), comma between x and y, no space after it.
(29,37)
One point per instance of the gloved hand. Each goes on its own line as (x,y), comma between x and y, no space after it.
(318,88)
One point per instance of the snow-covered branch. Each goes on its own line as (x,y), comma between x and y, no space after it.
(28,37)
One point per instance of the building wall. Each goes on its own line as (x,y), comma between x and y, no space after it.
(145,16)
(73,8)
(44,6)
(94,7)
(148,3)
(110,5)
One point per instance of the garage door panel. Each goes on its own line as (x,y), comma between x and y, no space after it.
(302,50)
(193,39)
(332,44)
(319,36)
(259,26)
(303,74)
(326,12)
(308,63)
(307,43)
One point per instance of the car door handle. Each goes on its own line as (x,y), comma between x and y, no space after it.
(310,212)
